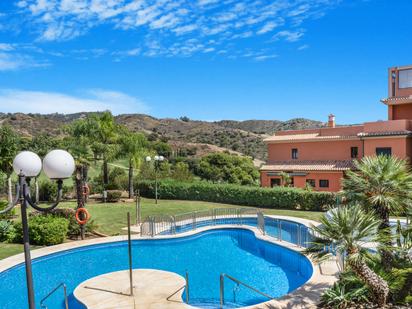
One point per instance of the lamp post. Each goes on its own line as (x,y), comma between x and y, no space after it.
(57,165)
(157,160)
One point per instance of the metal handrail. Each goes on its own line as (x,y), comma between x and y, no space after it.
(66,302)
(153,225)
(222,288)
(186,286)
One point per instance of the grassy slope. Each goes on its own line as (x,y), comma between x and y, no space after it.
(111,218)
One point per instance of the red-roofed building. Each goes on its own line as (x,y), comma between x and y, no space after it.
(320,157)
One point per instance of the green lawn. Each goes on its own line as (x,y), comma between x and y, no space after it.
(7,250)
(110,218)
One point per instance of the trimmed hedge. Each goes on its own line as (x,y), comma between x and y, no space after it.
(278,197)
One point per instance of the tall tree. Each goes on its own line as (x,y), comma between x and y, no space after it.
(106,135)
(9,146)
(347,229)
(101,131)
(133,146)
(42,144)
(78,145)
(384,185)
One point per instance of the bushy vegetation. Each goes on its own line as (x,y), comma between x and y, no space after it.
(8,215)
(43,230)
(73,228)
(5,226)
(224,167)
(113,196)
(279,197)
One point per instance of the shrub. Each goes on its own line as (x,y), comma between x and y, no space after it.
(341,296)
(43,230)
(118,180)
(74,227)
(113,196)
(279,197)
(225,167)
(48,190)
(8,215)
(5,227)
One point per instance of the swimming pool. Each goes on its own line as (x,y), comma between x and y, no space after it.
(268,267)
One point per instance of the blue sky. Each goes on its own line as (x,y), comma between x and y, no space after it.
(206,59)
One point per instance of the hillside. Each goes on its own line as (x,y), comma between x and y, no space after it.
(270,126)
(244,137)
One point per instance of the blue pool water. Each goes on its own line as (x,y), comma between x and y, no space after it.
(270,268)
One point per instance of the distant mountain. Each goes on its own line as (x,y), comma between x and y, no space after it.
(244,137)
(270,126)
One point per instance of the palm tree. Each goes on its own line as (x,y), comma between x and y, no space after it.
(133,147)
(347,229)
(384,185)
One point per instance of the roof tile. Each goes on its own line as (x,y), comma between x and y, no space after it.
(309,165)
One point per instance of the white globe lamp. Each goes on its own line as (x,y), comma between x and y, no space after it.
(58,164)
(27,163)
(156,158)
(161,158)
(148,159)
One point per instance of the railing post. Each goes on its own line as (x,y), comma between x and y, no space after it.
(279,230)
(129,242)
(152,227)
(222,290)
(66,301)
(187,287)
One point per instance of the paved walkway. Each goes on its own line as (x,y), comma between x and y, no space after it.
(151,288)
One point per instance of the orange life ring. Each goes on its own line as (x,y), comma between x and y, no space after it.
(85,212)
(86,190)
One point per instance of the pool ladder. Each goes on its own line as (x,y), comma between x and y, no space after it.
(66,301)
(238,282)
(186,286)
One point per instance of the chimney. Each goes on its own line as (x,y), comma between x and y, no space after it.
(331,121)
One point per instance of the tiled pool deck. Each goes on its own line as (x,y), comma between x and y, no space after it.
(307,296)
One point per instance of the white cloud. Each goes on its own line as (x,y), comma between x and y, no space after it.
(16,100)
(6,47)
(171,22)
(291,36)
(269,26)
(185,29)
(303,47)
(206,2)
(16,61)
(265,57)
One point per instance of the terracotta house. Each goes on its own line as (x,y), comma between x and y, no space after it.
(321,156)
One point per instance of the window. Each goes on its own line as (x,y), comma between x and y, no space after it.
(294,153)
(274,182)
(405,78)
(311,182)
(324,183)
(383,151)
(354,152)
